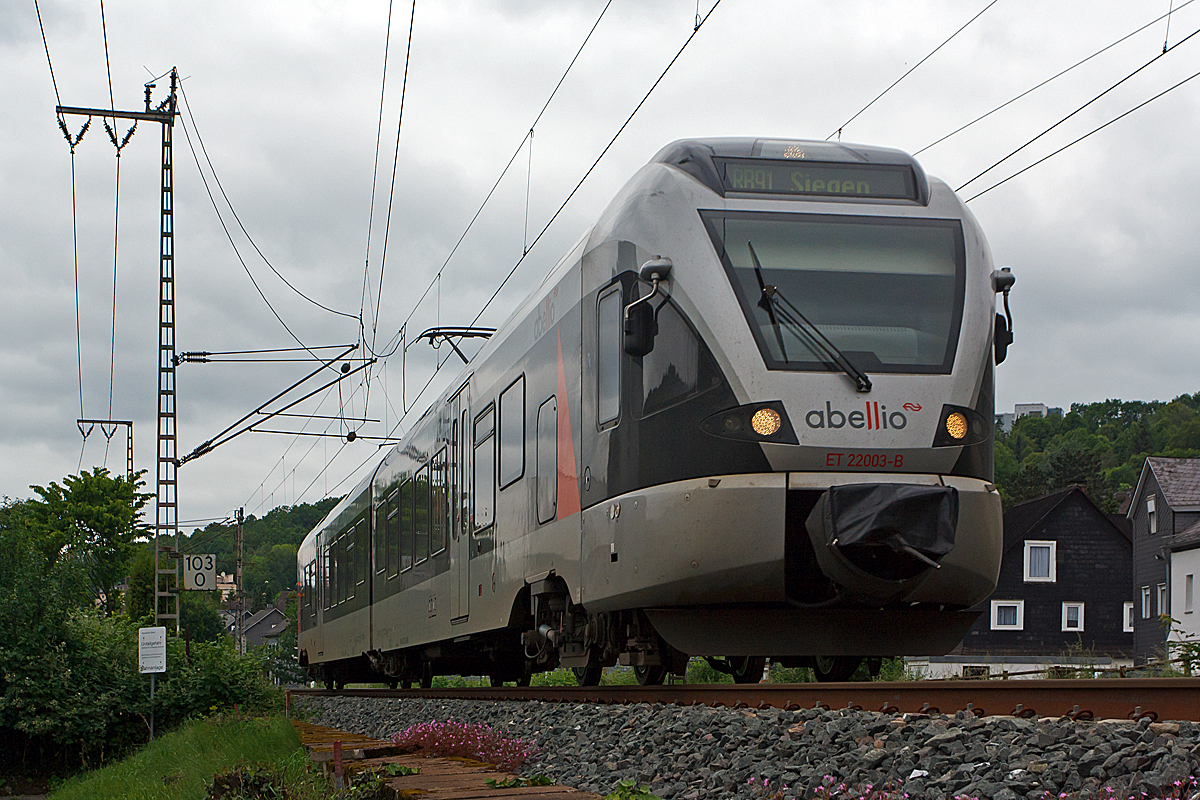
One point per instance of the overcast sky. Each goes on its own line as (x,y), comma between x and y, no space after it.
(285,97)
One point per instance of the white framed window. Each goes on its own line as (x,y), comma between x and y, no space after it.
(1008,615)
(1145,602)
(1151,517)
(1187,594)
(1164,605)
(1041,562)
(1072,616)
(1128,615)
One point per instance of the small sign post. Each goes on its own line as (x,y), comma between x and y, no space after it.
(200,572)
(152,658)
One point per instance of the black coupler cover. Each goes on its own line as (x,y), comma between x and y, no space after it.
(922,517)
(875,540)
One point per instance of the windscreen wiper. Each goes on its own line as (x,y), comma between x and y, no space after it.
(779,308)
(765,302)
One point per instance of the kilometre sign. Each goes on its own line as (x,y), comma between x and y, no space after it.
(200,572)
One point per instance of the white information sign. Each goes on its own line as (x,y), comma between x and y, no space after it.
(152,649)
(200,572)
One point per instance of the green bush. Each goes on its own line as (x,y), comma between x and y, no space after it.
(79,700)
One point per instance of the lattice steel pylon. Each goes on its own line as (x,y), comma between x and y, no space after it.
(166,506)
(166,503)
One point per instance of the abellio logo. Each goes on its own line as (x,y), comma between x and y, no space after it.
(873,417)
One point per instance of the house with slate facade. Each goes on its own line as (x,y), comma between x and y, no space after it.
(1063,599)
(1164,512)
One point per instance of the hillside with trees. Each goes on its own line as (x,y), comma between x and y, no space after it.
(1099,446)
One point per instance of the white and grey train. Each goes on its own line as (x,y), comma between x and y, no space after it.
(748,416)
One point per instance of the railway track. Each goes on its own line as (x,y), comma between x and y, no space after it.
(1127,698)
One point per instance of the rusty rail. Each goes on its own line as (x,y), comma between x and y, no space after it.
(1128,698)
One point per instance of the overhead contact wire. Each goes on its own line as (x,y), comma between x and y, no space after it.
(842,127)
(603,152)
(1086,135)
(238,219)
(74,215)
(1076,111)
(112,104)
(1054,77)
(387,44)
(508,166)
(395,163)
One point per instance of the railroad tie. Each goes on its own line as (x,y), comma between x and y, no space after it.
(341,752)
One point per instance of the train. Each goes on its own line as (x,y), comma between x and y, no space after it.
(748,416)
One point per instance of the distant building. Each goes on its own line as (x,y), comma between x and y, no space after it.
(1062,601)
(225,585)
(261,627)
(1005,420)
(1164,511)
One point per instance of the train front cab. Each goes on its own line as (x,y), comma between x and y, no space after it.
(728,540)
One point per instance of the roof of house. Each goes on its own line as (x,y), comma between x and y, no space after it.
(1186,539)
(1022,518)
(1178,478)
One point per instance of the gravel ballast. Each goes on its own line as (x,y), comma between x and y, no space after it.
(689,753)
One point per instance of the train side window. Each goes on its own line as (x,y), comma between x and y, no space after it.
(380,542)
(405,528)
(339,569)
(608,357)
(547,460)
(346,567)
(678,367)
(325,586)
(391,532)
(421,514)
(512,433)
(485,469)
(363,568)
(439,512)
(337,557)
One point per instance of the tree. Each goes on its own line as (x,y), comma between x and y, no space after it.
(93,520)
(200,621)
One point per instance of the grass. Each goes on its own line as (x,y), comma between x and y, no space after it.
(179,764)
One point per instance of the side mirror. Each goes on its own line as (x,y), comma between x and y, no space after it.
(640,324)
(640,329)
(1002,281)
(1003,338)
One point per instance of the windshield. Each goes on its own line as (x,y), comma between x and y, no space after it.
(886,291)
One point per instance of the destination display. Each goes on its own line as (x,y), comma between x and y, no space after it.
(823,179)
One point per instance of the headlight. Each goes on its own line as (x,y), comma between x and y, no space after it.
(961,426)
(956,425)
(766,422)
(754,422)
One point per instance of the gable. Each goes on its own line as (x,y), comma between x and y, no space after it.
(1178,482)
(1036,518)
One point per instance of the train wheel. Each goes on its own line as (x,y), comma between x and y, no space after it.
(405,684)
(393,684)
(834,668)
(427,675)
(328,684)
(495,680)
(524,679)
(748,669)
(589,675)
(650,676)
